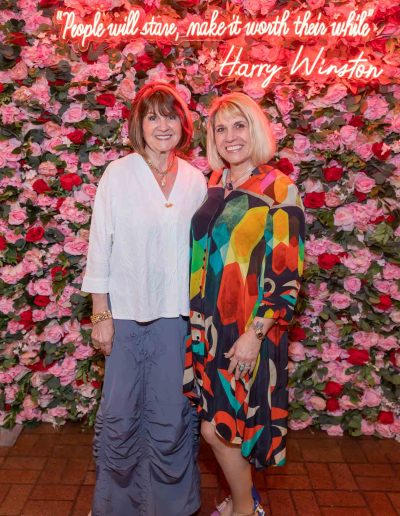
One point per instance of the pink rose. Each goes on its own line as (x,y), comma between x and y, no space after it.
(58,412)
(126,89)
(296,351)
(332,199)
(298,424)
(17,216)
(340,301)
(330,352)
(82,352)
(377,107)
(358,262)
(75,113)
(335,93)
(364,151)
(301,144)
(202,164)
(391,271)
(76,246)
(343,218)
(97,158)
(348,134)
(317,403)
(69,211)
(365,340)
(315,4)
(254,87)
(53,332)
(371,398)
(388,343)
(43,287)
(352,284)
(47,168)
(363,183)
(333,430)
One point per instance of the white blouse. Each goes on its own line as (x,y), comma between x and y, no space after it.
(139,248)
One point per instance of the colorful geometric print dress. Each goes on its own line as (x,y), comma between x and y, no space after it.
(247,253)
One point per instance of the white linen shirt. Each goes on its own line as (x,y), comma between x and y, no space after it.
(138,248)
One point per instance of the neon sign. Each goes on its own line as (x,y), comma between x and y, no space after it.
(115,27)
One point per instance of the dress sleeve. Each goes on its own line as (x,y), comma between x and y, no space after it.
(284,258)
(97,271)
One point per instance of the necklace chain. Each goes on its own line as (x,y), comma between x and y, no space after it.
(161,173)
(230,183)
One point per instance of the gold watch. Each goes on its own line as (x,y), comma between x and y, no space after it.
(258,328)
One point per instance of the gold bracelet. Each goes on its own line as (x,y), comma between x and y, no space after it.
(102,316)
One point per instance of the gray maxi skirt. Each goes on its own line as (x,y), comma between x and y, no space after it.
(144,446)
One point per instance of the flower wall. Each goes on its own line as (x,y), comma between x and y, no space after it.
(64,117)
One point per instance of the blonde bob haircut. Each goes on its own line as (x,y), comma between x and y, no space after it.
(263,144)
(158,97)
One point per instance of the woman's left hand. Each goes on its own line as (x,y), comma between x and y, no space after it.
(244,352)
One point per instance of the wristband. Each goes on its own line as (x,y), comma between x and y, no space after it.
(102,316)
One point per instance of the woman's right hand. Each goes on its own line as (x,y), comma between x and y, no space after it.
(102,336)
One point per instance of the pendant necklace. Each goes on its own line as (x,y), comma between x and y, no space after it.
(230,184)
(161,173)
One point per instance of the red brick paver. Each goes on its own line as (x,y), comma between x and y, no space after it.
(51,473)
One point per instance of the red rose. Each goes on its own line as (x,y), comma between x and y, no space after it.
(357,121)
(125,112)
(358,356)
(385,417)
(44,4)
(314,200)
(3,243)
(379,45)
(394,358)
(40,186)
(60,201)
(390,218)
(96,384)
(17,38)
(44,117)
(333,389)
(58,271)
(76,136)
(360,196)
(385,303)
(106,99)
(25,318)
(297,334)
(332,173)
(377,149)
(41,300)
(39,366)
(1,88)
(68,181)
(378,220)
(327,261)
(144,63)
(34,234)
(285,166)
(332,405)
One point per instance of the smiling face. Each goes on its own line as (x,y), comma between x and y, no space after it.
(161,132)
(233,139)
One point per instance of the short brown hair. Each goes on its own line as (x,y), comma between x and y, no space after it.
(162,98)
(263,144)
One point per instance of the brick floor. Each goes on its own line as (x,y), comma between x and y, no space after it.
(51,473)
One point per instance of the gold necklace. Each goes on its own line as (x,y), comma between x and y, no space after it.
(161,173)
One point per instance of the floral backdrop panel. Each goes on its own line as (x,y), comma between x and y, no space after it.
(63,113)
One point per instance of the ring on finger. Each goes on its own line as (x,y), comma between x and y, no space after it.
(242,367)
(247,366)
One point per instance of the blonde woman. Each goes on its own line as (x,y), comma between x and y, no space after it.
(247,259)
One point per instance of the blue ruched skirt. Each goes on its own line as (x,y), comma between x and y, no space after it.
(144,445)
